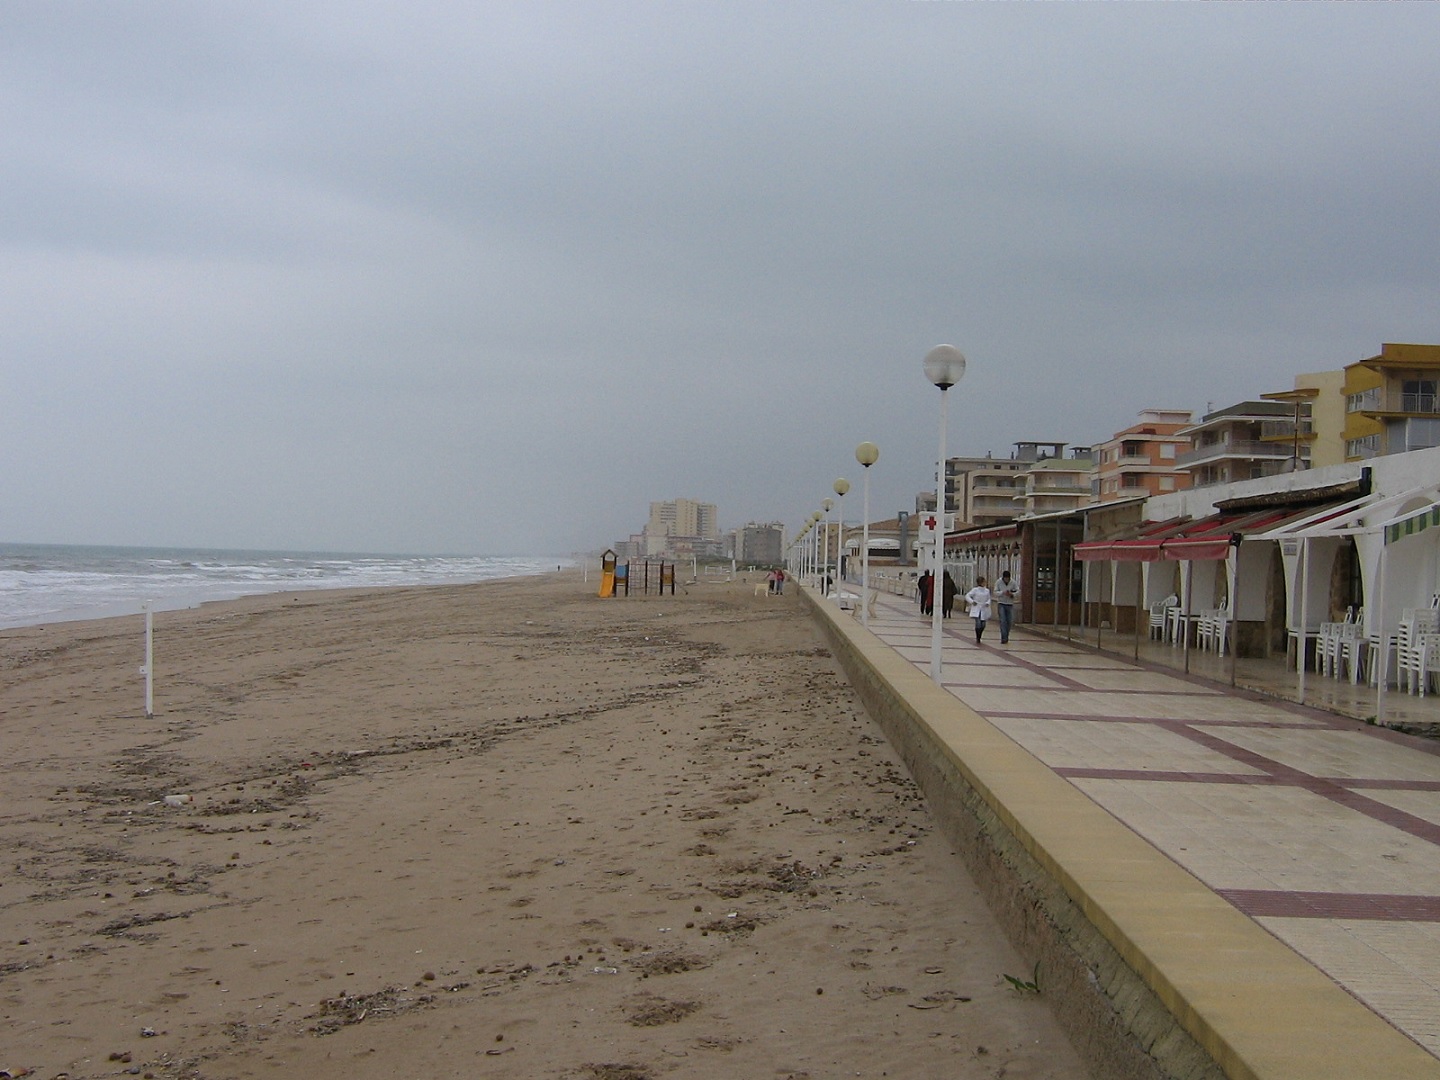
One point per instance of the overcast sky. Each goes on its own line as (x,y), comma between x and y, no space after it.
(490,277)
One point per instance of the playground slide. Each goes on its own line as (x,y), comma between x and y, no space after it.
(607,583)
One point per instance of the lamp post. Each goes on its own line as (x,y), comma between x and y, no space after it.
(825,549)
(841,487)
(944,366)
(814,543)
(867,453)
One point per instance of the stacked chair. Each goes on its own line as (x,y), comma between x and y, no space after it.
(1417,649)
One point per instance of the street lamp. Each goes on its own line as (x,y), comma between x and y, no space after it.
(825,557)
(814,543)
(867,453)
(944,366)
(841,486)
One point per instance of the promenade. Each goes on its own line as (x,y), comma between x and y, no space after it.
(1320,829)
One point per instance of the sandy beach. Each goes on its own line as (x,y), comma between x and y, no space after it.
(506,830)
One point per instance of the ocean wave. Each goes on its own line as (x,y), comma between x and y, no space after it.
(40,584)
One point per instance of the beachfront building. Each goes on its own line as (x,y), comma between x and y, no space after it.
(989,490)
(759,544)
(1245,441)
(1392,402)
(1140,461)
(684,517)
(1058,483)
(1261,567)
(683,527)
(893,542)
(1317,403)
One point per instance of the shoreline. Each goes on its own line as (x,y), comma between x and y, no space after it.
(503,824)
(195,598)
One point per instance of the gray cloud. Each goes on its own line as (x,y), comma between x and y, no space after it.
(456,277)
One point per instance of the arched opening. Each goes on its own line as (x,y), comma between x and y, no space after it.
(1276,638)
(1347,591)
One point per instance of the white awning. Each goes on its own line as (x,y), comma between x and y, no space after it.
(1394,516)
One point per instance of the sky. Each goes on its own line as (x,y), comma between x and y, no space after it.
(483,278)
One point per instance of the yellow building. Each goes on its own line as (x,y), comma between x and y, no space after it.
(1318,424)
(1392,402)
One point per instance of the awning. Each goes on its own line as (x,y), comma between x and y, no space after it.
(983,534)
(1209,538)
(1140,546)
(1416,522)
(1393,516)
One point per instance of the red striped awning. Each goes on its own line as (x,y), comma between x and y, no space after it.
(1208,538)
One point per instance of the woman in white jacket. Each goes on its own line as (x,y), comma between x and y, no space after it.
(977,606)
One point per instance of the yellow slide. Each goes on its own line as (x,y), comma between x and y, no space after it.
(607,583)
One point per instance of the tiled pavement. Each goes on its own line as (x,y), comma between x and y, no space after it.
(1323,829)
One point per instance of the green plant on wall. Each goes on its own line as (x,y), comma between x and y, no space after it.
(1023,987)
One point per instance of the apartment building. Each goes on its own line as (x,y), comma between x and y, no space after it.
(1141,459)
(989,490)
(1392,402)
(1317,420)
(759,543)
(683,527)
(1244,441)
(1058,483)
(684,517)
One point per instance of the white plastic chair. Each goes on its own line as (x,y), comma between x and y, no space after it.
(1159,616)
(1212,629)
(1410,656)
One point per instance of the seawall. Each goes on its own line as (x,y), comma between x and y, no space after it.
(1151,973)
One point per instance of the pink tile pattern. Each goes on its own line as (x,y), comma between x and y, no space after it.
(1340,831)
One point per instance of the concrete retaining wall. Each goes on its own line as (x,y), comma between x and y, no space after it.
(1152,975)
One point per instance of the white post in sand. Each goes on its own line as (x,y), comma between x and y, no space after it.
(867,453)
(149,668)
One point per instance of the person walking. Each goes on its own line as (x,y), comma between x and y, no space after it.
(927,593)
(977,606)
(1007,591)
(948,589)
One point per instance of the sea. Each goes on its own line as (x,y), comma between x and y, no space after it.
(44,583)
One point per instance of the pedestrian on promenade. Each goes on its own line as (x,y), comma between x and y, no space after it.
(1007,591)
(772,579)
(927,580)
(977,606)
(948,589)
(780,582)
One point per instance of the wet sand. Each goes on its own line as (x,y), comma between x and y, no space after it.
(504,830)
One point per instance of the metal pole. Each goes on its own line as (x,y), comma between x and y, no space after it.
(937,591)
(1304,628)
(865,558)
(1139,607)
(825,557)
(1034,574)
(1234,627)
(1380,664)
(1189,607)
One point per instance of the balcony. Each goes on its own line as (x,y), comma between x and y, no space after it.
(1040,491)
(1244,449)
(1284,430)
(1396,403)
